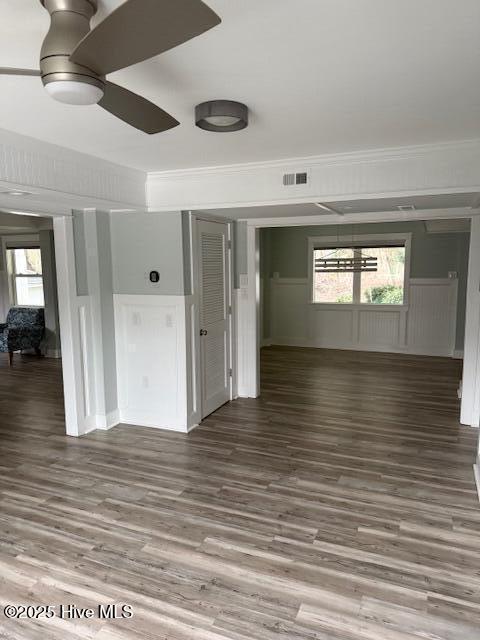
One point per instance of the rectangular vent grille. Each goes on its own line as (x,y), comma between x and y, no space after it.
(301,178)
(290,179)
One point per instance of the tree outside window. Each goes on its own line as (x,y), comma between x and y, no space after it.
(383,286)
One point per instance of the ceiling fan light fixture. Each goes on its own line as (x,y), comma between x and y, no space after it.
(74,92)
(221,116)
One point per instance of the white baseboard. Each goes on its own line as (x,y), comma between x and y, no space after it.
(106,422)
(476,473)
(53,353)
(266,342)
(458,354)
(149,421)
(413,351)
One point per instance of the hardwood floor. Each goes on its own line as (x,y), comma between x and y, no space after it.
(340,505)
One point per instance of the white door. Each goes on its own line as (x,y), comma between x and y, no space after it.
(214,300)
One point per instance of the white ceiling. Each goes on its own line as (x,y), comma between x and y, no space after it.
(366,205)
(14,223)
(320,76)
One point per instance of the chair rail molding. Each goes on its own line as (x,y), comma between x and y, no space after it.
(414,170)
(61,179)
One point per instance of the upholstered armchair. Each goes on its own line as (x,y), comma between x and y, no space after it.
(24,329)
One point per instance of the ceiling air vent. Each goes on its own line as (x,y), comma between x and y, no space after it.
(290,179)
(406,207)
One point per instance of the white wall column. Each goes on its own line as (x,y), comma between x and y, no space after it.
(470,411)
(249,378)
(75,391)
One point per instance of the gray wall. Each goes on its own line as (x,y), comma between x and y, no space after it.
(80,248)
(105,281)
(433,255)
(52,322)
(144,242)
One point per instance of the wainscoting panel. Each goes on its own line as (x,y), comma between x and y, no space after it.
(424,326)
(380,328)
(432,315)
(151,339)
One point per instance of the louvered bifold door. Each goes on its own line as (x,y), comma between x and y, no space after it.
(214,314)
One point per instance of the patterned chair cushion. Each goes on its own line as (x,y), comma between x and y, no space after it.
(24,329)
(26,317)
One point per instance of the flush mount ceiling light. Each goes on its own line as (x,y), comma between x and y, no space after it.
(221,116)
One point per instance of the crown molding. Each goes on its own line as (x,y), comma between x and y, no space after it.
(308,162)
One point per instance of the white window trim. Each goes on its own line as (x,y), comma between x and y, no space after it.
(20,242)
(361,240)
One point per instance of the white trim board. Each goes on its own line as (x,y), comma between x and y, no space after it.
(364,218)
(108,421)
(414,170)
(476,473)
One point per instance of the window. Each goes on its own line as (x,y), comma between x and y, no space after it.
(26,280)
(359,274)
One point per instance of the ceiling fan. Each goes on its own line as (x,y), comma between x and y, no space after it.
(75,60)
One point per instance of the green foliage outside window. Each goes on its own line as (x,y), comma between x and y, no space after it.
(387,294)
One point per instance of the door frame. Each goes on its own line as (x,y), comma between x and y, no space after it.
(249,330)
(197,390)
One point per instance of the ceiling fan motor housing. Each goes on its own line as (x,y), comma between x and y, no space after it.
(70,23)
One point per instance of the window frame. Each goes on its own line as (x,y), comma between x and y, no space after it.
(359,241)
(10,245)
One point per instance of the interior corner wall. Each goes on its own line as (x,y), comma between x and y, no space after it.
(152,319)
(107,315)
(52,322)
(144,242)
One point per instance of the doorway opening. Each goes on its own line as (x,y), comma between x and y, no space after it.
(31,385)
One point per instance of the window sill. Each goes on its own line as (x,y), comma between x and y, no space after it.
(362,305)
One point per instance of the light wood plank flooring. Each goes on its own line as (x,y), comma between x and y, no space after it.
(339,506)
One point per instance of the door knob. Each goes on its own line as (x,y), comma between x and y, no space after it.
(203,332)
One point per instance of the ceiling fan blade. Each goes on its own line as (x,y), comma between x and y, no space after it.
(10,71)
(135,110)
(141,29)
